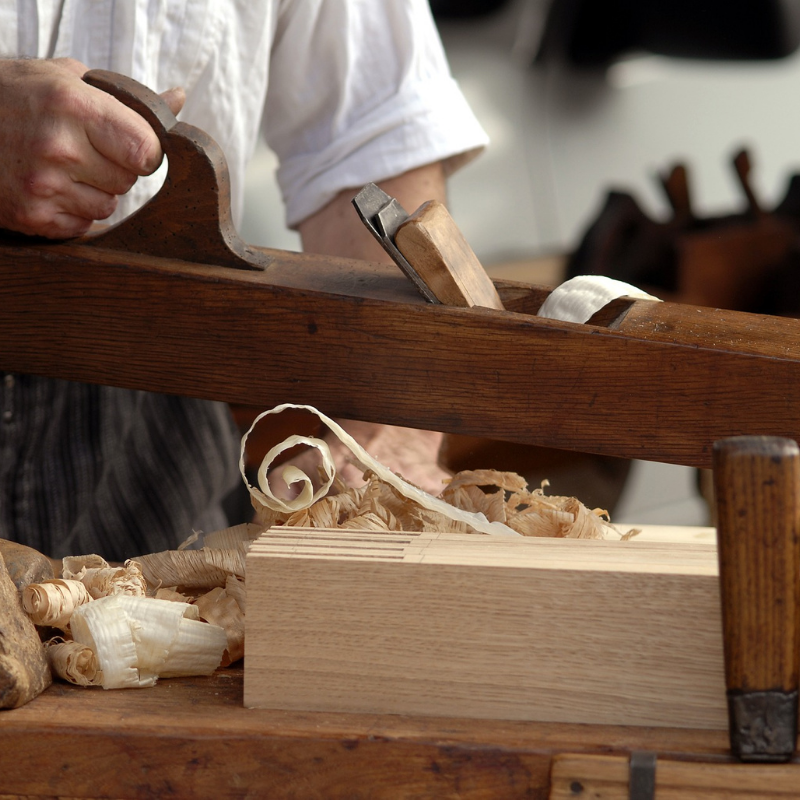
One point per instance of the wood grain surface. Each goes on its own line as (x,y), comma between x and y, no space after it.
(24,672)
(491,627)
(432,243)
(757,489)
(353,339)
(579,777)
(192,738)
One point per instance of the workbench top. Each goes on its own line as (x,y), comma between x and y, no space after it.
(193,738)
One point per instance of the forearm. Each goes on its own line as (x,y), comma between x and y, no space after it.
(337,230)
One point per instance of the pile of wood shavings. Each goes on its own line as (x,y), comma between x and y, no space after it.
(118,632)
(482,501)
(502,497)
(168,595)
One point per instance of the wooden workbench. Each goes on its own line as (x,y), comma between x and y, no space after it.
(193,738)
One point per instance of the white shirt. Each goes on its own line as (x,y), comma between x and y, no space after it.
(345,91)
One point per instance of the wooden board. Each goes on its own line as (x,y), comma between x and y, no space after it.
(608,778)
(486,627)
(318,330)
(192,738)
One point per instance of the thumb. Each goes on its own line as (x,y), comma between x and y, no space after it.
(174,98)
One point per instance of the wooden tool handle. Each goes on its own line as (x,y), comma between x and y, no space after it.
(742,166)
(140,98)
(676,187)
(432,243)
(190,217)
(757,485)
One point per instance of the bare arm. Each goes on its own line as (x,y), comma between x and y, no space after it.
(67,150)
(337,230)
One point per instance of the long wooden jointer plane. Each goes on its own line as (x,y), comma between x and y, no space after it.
(172,300)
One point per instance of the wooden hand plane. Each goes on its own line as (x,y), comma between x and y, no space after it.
(171,300)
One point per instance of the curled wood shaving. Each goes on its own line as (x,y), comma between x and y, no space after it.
(72,565)
(196,650)
(102,581)
(485,501)
(222,554)
(509,481)
(307,496)
(499,497)
(505,496)
(190,569)
(230,561)
(172,595)
(232,538)
(73,662)
(235,588)
(139,639)
(52,603)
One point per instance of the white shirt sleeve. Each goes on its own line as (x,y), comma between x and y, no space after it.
(360,91)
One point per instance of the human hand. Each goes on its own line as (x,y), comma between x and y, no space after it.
(67,149)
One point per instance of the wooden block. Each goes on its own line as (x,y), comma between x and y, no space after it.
(621,633)
(432,243)
(25,565)
(24,672)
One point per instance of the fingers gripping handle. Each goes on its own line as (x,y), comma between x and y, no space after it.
(137,97)
(190,217)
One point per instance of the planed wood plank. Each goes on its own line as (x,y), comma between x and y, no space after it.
(486,627)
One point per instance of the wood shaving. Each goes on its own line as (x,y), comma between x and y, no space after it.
(191,569)
(307,496)
(222,609)
(484,501)
(235,588)
(73,662)
(172,595)
(72,565)
(52,603)
(499,497)
(139,639)
(103,580)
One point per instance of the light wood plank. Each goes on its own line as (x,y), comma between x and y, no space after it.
(486,627)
